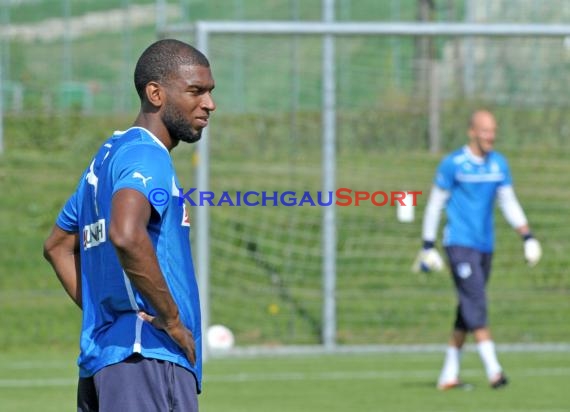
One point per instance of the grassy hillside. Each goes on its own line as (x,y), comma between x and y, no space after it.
(100,64)
(379,300)
(38,10)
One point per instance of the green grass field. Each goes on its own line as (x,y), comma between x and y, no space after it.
(379,299)
(398,382)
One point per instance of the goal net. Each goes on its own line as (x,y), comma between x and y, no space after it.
(394,95)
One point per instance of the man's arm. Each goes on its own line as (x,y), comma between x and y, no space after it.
(512,210)
(436,202)
(514,214)
(130,215)
(61,250)
(428,258)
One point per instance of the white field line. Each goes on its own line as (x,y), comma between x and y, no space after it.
(289,350)
(367,375)
(35,383)
(303,376)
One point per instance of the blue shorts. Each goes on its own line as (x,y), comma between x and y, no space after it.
(471,270)
(139,385)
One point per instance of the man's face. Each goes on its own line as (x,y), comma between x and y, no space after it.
(482,133)
(189,103)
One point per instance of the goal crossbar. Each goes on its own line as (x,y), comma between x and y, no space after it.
(371,28)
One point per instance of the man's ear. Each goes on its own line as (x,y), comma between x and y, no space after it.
(154,94)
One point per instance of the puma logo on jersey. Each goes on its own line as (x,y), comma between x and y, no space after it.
(140,176)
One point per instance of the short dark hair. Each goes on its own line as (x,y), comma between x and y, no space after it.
(162,59)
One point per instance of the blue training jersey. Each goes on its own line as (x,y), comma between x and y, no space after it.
(472,183)
(111,330)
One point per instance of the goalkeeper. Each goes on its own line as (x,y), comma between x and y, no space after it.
(466,184)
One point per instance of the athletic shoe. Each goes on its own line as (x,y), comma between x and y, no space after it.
(454,385)
(500,382)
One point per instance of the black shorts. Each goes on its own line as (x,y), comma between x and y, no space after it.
(471,270)
(138,385)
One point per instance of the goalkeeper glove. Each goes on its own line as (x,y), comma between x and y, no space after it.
(532,249)
(428,259)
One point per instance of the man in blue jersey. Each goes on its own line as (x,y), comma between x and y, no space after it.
(121,247)
(467,183)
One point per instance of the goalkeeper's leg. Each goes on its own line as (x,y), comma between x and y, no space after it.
(488,355)
(471,270)
(449,375)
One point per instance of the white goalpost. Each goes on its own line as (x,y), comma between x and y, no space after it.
(204,30)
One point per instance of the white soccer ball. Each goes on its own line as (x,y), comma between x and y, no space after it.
(220,338)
